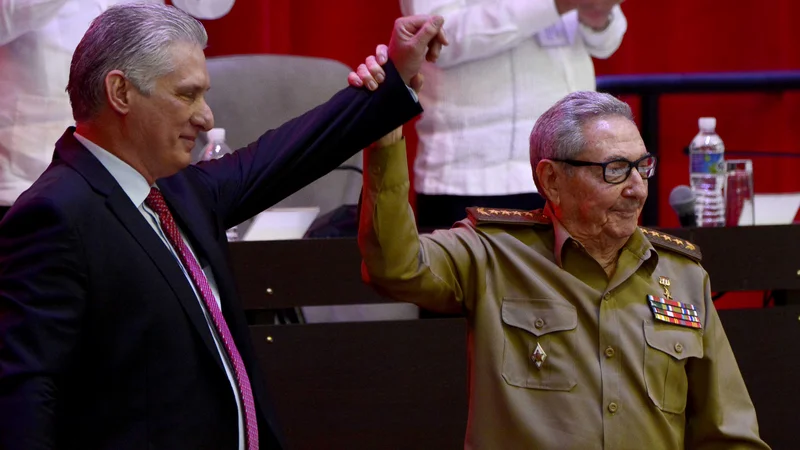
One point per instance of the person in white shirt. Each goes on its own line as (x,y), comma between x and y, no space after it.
(37,39)
(508,61)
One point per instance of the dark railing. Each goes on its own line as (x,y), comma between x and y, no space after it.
(651,87)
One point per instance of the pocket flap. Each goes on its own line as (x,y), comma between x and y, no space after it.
(676,341)
(539,316)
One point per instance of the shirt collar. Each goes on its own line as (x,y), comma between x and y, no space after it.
(131,181)
(637,244)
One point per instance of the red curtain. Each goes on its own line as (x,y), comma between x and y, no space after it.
(663,37)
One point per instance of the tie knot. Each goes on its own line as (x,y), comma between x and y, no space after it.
(155,200)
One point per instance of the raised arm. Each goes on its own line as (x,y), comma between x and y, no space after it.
(440,272)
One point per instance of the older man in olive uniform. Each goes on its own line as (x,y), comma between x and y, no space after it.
(585,331)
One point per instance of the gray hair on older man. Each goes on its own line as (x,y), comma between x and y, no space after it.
(558,134)
(133,38)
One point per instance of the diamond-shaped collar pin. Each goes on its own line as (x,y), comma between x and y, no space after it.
(538,356)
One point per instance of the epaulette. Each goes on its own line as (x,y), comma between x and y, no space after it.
(480,216)
(673,243)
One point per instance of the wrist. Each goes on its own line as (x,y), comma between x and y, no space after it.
(390,139)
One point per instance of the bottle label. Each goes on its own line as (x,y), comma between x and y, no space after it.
(710,163)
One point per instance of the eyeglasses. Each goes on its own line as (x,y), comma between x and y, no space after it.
(618,170)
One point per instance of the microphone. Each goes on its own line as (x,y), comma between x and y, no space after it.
(682,200)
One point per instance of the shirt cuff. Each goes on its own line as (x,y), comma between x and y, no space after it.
(413,94)
(616,26)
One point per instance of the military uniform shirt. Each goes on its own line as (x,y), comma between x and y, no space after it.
(560,355)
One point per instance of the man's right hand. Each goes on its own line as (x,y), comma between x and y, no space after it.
(414,40)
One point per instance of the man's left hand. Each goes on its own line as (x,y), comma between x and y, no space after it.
(415,39)
(596,14)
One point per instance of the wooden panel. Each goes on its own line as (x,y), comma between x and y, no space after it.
(316,272)
(766,343)
(368,385)
(402,385)
(308,272)
(749,258)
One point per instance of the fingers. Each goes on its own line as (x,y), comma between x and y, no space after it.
(416,82)
(429,31)
(434,49)
(366,77)
(409,26)
(382,54)
(354,80)
(375,69)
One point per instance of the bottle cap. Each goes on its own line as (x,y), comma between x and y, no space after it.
(707,123)
(216,135)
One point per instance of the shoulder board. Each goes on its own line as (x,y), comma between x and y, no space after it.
(673,243)
(483,216)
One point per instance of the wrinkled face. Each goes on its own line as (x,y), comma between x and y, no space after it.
(593,207)
(165,124)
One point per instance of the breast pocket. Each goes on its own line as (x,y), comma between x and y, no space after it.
(668,349)
(543,330)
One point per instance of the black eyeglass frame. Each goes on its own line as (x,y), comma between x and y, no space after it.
(631,165)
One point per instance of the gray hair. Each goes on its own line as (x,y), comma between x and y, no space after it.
(558,134)
(134,38)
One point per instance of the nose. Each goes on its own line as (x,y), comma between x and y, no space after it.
(635,186)
(203,118)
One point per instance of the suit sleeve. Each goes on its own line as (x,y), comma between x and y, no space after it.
(719,414)
(42,301)
(440,272)
(484,29)
(284,160)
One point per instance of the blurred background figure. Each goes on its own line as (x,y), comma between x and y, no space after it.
(37,39)
(507,62)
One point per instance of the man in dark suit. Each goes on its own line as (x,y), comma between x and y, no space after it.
(120,326)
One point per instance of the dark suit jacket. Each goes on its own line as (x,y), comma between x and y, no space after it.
(103,344)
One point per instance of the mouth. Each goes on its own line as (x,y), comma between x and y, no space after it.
(189,140)
(626,212)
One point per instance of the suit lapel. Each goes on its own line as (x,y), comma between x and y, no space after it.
(201,231)
(74,154)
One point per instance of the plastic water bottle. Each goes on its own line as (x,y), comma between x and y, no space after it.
(708,173)
(217,148)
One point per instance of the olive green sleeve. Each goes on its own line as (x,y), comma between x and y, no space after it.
(720,414)
(440,272)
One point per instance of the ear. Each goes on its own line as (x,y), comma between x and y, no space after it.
(549,180)
(118,91)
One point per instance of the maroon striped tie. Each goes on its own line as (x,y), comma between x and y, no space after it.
(156,202)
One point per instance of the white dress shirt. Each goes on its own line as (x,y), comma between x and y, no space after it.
(37,40)
(137,189)
(508,61)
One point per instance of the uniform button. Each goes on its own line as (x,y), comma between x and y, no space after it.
(612,407)
(679,348)
(609,352)
(539,323)
(607,296)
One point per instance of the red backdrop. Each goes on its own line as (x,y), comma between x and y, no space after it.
(663,36)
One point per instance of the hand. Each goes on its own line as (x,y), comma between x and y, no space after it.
(371,74)
(595,13)
(565,6)
(414,40)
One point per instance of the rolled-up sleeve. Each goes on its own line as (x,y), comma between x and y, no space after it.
(602,44)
